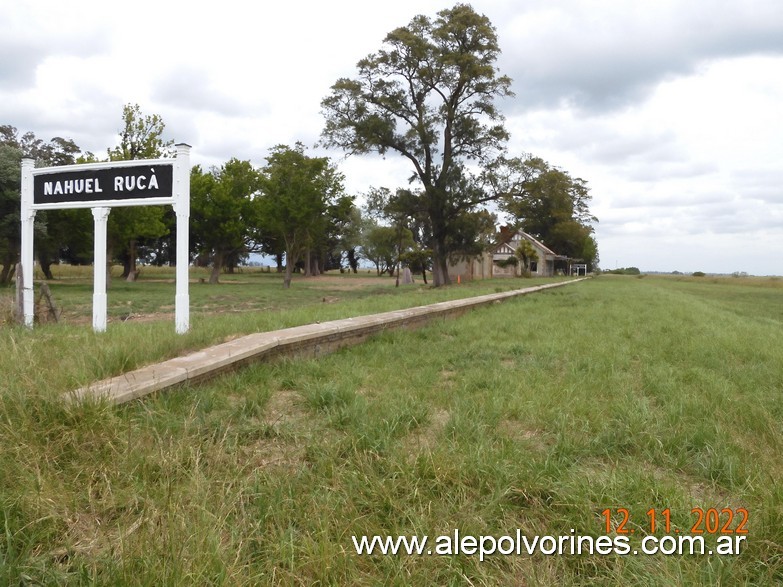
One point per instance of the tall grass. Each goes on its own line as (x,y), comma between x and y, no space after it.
(538,414)
(61,357)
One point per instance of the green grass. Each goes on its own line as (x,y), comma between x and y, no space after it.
(537,414)
(141,321)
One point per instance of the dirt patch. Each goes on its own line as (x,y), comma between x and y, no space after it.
(349,282)
(283,408)
(283,448)
(448,378)
(274,452)
(517,432)
(82,320)
(424,439)
(88,534)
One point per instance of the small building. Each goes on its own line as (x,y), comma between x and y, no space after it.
(543,267)
(490,264)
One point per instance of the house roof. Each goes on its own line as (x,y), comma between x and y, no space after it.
(538,243)
(506,249)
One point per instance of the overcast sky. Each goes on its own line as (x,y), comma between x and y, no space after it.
(671,110)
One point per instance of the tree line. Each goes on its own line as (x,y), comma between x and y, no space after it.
(293,208)
(428,95)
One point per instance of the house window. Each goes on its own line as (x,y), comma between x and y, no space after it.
(533,267)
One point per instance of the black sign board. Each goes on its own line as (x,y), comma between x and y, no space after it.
(113,183)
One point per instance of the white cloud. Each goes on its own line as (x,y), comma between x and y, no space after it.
(602,55)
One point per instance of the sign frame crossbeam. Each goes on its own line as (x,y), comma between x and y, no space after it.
(106,204)
(101,165)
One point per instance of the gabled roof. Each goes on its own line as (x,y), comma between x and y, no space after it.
(538,243)
(506,248)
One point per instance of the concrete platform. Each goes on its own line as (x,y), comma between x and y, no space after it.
(310,340)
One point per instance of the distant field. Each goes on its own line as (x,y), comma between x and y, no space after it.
(538,414)
(141,316)
(250,289)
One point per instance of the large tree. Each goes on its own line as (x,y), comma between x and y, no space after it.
(554,207)
(341,234)
(57,231)
(297,192)
(141,137)
(383,245)
(351,237)
(223,212)
(429,95)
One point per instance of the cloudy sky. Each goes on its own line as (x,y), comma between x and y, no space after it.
(670,109)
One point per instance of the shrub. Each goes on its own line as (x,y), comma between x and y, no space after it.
(698,274)
(625,271)
(511,261)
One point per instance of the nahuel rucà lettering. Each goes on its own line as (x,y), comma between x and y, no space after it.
(92,185)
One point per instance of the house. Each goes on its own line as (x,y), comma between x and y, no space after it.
(544,266)
(490,264)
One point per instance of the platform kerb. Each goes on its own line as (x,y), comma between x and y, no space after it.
(307,341)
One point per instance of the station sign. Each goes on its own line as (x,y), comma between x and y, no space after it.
(106,183)
(101,187)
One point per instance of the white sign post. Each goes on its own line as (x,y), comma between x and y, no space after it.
(28,225)
(102,186)
(99,305)
(182,210)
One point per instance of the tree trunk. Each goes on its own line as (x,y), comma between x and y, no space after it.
(279,261)
(46,266)
(353,262)
(132,255)
(440,272)
(315,269)
(424,275)
(307,262)
(290,263)
(9,262)
(217,265)
(129,261)
(6,274)
(440,265)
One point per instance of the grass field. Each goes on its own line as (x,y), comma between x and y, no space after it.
(62,357)
(537,414)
